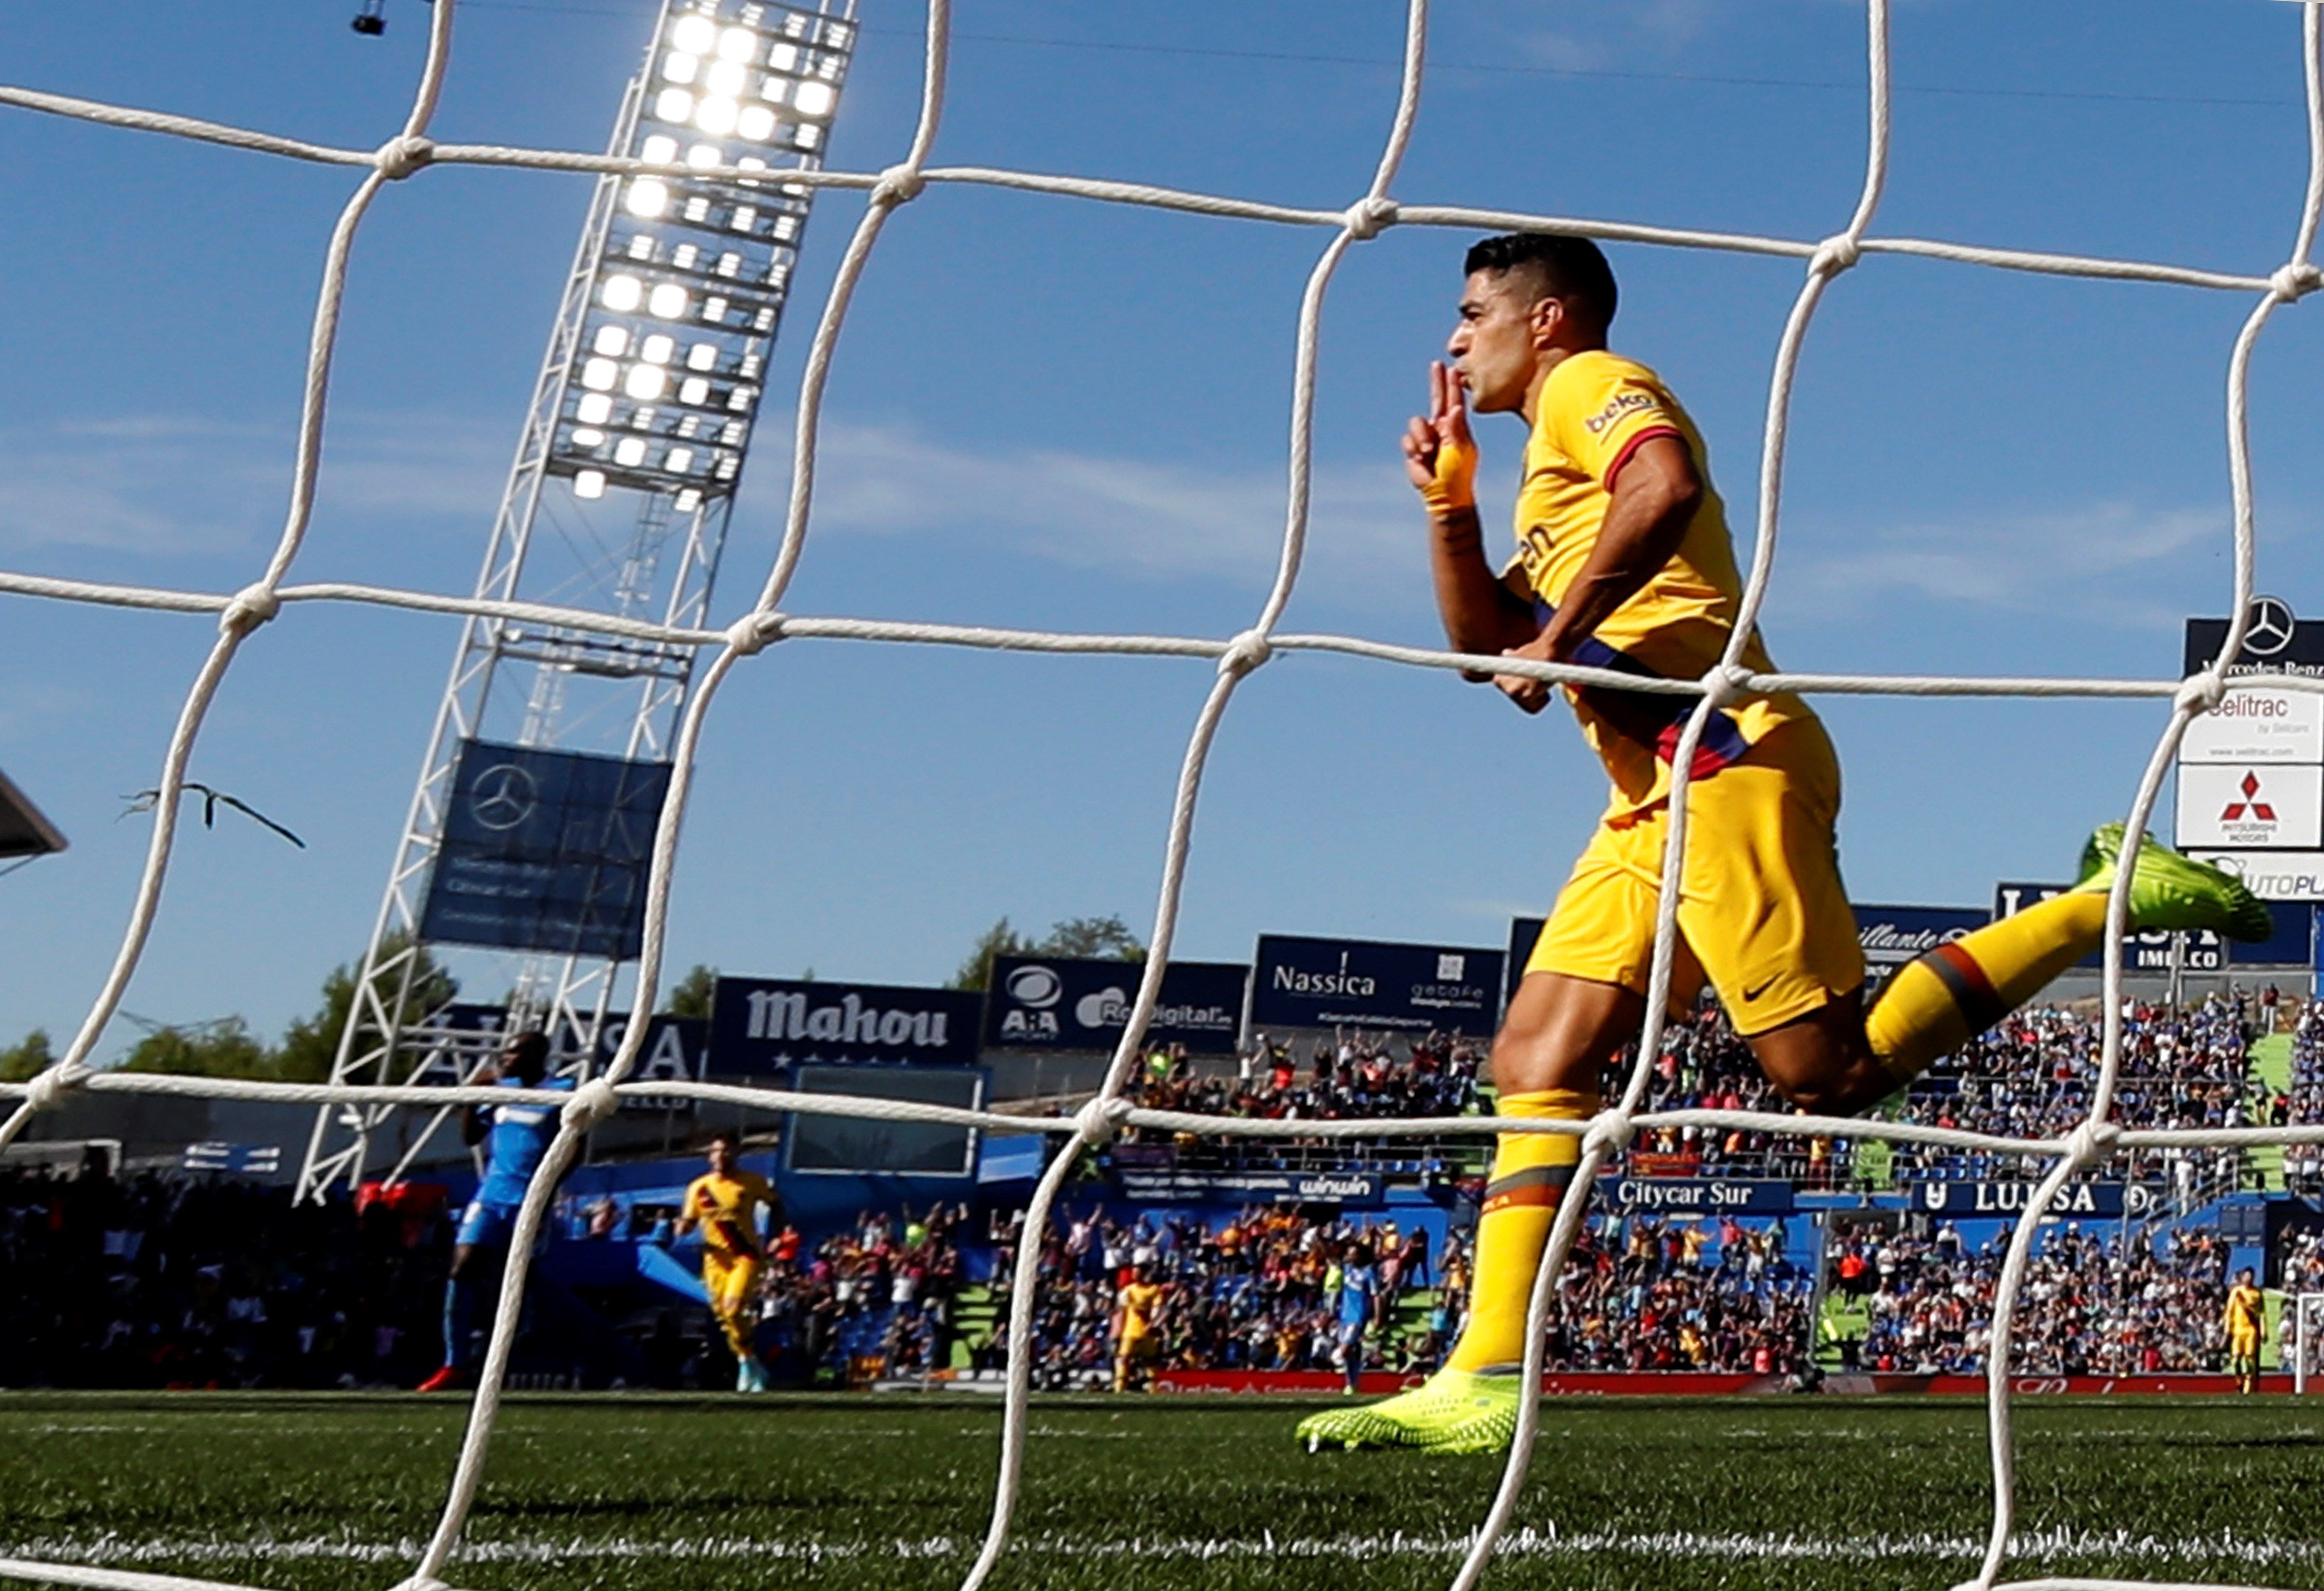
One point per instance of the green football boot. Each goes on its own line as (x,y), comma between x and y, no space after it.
(2168,890)
(1452,1411)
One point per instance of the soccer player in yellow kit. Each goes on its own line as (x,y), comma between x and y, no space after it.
(1624,562)
(2246,1313)
(1136,1343)
(724,1202)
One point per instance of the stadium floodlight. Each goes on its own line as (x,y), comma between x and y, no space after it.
(732,87)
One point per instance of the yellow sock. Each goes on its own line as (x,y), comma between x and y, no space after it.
(1530,1171)
(1958,990)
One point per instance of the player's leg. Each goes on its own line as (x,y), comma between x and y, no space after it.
(482,1227)
(1765,906)
(1577,1005)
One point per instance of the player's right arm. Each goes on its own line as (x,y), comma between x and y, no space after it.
(476,1121)
(1481,615)
(687,1221)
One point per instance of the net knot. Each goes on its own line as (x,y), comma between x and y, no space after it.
(2295,282)
(2091,1141)
(2201,693)
(1101,1120)
(749,635)
(591,1103)
(252,606)
(1369,218)
(401,156)
(1835,254)
(1722,683)
(45,1090)
(1610,1133)
(1245,652)
(898,185)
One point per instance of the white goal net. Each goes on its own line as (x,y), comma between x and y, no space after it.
(274,593)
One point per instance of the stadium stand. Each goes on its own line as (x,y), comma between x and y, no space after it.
(178,1279)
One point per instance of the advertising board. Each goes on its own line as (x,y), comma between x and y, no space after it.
(1060,1003)
(1298,982)
(765,1027)
(2205,951)
(545,850)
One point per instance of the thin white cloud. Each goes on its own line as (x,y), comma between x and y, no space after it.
(176,485)
(2106,554)
(1136,515)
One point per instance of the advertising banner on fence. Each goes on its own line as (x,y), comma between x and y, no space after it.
(2077,1200)
(1697,1195)
(464,1034)
(1151,1175)
(765,1027)
(2206,952)
(2277,876)
(1059,1003)
(1366,983)
(1892,935)
(545,850)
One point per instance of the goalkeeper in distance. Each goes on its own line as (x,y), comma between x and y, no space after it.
(1623,562)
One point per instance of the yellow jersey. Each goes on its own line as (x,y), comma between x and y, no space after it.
(1593,413)
(2247,1307)
(1140,1300)
(727,1207)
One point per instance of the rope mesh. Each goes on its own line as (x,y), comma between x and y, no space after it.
(241,615)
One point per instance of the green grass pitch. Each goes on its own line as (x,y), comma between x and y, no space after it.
(655,1493)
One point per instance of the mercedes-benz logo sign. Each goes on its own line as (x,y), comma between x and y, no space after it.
(502,796)
(2269,627)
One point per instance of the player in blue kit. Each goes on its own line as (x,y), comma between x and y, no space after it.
(515,1137)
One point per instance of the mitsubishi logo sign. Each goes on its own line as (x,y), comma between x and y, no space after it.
(2261,811)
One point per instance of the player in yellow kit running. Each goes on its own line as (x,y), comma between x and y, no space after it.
(724,1203)
(1623,562)
(2246,1313)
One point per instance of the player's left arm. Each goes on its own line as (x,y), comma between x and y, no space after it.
(1655,493)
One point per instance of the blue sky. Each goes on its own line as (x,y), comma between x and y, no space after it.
(1051,413)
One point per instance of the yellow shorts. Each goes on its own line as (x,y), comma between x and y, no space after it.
(1762,913)
(729,1279)
(2242,1345)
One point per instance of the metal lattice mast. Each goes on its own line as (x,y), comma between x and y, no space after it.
(644,404)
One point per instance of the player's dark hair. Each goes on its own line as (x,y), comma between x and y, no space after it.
(530,1050)
(731,1140)
(1570,269)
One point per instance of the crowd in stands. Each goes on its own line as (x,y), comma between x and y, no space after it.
(171,1282)
(2304,1163)
(878,1299)
(1353,1077)
(2030,1077)
(1265,1290)
(2083,1309)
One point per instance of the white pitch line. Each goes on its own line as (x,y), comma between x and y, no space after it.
(1725,1547)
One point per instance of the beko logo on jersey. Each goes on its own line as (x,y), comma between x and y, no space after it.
(849,1021)
(1620,404)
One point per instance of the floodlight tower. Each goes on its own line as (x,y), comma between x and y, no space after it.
(641,420)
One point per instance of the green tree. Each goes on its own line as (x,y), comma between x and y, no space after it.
(691,995)
(1100,937)
(311,1044)
(223,1048)
(21,1060)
